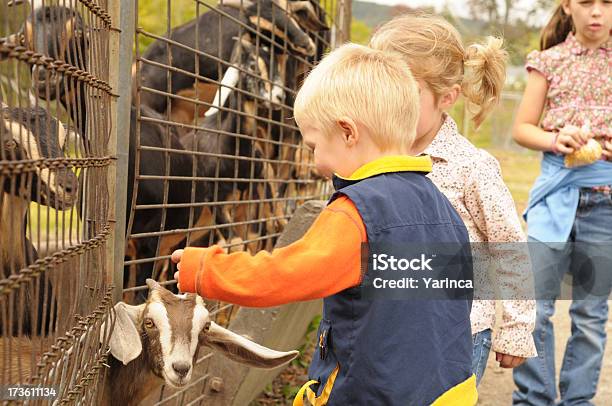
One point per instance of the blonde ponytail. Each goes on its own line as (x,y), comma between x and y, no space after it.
(484,76)
(433,49)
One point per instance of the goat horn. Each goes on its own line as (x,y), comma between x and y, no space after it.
(153,284)
(229,81)
(239,4)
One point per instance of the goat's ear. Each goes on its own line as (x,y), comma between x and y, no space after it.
(153,284)
(124,342)
(307,17)
(242,350)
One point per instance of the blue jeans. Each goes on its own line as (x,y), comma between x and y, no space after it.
(589,262)
(482,348)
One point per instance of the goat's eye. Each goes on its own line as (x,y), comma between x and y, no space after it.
(149,323)
(10,144)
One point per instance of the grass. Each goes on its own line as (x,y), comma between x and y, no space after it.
(45,222)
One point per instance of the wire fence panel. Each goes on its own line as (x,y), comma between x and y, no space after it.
(54,132)
(215,156)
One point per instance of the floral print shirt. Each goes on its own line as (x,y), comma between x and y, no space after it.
(579,85)
(471,180)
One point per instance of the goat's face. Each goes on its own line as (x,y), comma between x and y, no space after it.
(265,76)
(276,20)
(56,32)
(171,325)
(169,328)
(33,134)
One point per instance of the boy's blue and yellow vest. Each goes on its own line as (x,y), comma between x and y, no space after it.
(394,352)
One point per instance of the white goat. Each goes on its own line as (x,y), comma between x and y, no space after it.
(156,342)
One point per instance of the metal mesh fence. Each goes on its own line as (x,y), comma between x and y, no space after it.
(54,132)
(214,158)
(217,156)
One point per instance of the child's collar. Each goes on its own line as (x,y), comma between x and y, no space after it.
(577,48)
(387,164)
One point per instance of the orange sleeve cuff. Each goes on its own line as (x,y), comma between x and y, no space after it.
(192,267)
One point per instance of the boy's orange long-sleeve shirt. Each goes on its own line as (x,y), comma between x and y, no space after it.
(325,261)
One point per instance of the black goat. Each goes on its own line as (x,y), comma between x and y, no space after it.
(151,167)
(280,21)
(229,150)
(60,33)
(243,59)
(29,134)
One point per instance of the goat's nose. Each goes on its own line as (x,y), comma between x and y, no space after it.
(278,98)
(69,182)
(181,368)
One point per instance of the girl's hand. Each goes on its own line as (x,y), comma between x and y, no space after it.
(607,150)
(569,139)
(508,361)
(176,258)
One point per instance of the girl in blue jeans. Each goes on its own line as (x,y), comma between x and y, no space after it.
(566,114)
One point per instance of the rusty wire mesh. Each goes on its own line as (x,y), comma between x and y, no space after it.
(54,131)
(209,170)
(232,177)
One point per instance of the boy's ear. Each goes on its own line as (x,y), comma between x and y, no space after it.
(350,134)
(449,98)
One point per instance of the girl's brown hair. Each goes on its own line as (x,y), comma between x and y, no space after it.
(433,49)
(557,29)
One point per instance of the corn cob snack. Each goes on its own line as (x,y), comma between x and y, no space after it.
(588,154)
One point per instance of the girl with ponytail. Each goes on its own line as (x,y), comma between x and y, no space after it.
(469,177)
(566,113)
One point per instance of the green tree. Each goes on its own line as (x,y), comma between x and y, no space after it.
(153,16)
(488,8)
(360,32)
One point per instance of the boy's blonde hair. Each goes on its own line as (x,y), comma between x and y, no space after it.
(433,49)
(372,87)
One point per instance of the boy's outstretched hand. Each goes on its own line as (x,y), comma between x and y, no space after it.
(508,361)
(176,258)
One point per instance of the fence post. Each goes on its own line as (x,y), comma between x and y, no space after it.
(341,28)
(120,54)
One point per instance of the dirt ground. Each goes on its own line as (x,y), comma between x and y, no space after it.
(497,385)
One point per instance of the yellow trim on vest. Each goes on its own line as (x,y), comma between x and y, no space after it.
(299,397)
(392,163)
(312,396)
(463,394)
